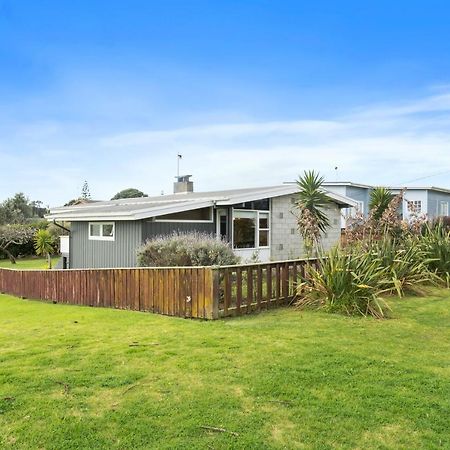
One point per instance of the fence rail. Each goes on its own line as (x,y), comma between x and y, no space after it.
(254,287)
(192,292)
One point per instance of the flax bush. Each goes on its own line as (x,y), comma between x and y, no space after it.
(406,261)
(351,280)
(186,249)
(348,282)
(435,244)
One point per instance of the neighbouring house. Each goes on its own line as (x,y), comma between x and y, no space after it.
(432,201)
(259,223)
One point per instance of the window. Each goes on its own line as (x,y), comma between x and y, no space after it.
(251,229)
(415,206)
(101,231)
(244,229)
(260,205)
(263,229)
(443,208)
(353,212)
(360,207)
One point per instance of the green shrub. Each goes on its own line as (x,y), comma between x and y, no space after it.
(406,262)
(186,249)
(347,281)
(435,244)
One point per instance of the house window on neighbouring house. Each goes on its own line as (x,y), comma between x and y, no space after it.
(360,207)
(443,208)
(101,231)
(251,229)
(415,206)
(354,211)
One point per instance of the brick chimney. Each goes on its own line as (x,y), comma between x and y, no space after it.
(183,185)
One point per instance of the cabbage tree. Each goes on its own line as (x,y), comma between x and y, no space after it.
(44,244)
(312,202)
(380,199)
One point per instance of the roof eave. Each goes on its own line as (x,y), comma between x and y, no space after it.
(132,215)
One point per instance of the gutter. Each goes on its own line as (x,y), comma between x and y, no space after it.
(60,226)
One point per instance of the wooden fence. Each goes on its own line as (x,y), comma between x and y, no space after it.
(192,292)
(254,287)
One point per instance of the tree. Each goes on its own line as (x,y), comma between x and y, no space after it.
(19,209)
(129,193)
(14,235)
(15,209)
(311,202)
(44,244)
(85,192)
(380,198)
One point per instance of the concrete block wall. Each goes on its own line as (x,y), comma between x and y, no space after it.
(286,242)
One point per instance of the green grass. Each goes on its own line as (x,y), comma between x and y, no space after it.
(83,378)
(28,263)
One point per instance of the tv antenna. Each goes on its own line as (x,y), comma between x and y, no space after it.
(179,157)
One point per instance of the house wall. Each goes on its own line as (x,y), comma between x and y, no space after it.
(413,195)
(121,252)
(434,201)
(286,242)
(360,195)
(151,229)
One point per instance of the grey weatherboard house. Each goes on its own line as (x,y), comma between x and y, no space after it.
(256,221)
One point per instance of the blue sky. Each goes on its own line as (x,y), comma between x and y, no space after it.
(250,92)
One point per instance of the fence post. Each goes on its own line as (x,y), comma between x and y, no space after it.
(215,293)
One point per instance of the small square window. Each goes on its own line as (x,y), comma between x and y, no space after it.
(108,229)
(95,230)
(263,238)
(263,221)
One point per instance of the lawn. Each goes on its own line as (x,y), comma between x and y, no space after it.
(77,378)
(28,263)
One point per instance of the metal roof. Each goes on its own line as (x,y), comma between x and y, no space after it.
(394,188)
(146,207)
(420,188)
(346,183)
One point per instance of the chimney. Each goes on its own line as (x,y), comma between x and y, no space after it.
(183,185)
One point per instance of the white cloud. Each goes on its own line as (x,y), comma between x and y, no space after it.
(374,145)
(388,144)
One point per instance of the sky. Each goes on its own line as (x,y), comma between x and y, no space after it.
(250,92)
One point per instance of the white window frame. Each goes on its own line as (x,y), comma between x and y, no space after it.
(263,229)
(443,208)
(258,212)
(360,207)
(210,220)
(414,204)
(101,237)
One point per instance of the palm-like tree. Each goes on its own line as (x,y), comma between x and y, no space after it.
(311,203)
(380,198)
(44,245)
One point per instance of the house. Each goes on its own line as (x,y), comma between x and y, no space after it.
(360,193)
(432,201)
(258,222)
